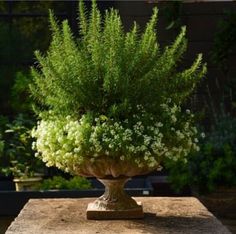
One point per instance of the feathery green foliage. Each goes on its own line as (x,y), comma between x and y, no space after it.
(109,71)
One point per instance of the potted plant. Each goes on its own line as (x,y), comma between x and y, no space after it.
(17,157)
(110,104)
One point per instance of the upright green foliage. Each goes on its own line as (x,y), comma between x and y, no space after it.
(109,71)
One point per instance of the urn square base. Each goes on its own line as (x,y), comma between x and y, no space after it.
(102,214)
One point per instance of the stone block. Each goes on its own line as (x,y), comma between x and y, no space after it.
(162,215)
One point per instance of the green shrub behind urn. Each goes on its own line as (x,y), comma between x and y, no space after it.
(58,182)
(214,165)
(112,94)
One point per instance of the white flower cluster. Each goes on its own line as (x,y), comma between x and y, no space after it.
(145,140)
(117,140)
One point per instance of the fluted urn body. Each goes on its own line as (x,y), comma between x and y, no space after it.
(115,203)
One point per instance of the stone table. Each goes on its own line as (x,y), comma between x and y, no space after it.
(163,215)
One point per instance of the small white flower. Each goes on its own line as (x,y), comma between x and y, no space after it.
(122,157)
(188,111)
(173,118)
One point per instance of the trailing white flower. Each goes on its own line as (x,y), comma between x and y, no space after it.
(66,142)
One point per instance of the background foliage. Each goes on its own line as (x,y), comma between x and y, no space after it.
(58,182)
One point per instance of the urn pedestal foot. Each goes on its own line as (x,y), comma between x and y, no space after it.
(95,214)
(114,203)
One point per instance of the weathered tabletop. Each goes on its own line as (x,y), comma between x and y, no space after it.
(162,215)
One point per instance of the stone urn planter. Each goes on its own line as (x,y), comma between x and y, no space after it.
(114,203)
